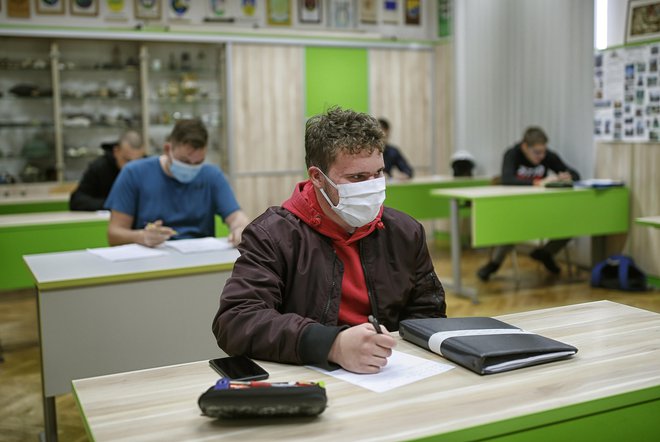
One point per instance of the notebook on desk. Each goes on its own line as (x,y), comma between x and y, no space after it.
(483,345)
(599,183)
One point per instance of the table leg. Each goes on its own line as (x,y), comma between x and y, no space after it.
(50,419)
(456,254)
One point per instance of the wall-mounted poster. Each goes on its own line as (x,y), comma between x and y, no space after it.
(390,12)
(342,14)
(413,12)
(18,8)
(115,10)
(278,12)
(643,21)
(309,11)
(444,18)
(178,9)
(147,9)
(50,6)
(89,8)
(368,12)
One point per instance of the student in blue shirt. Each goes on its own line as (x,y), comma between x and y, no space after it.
(174,195)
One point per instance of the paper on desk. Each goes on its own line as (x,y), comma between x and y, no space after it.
(126,252)
(401,369)
(198,245)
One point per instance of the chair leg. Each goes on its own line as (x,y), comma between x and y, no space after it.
(569,264)
(516,269)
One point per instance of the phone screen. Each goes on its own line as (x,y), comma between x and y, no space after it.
(239,368)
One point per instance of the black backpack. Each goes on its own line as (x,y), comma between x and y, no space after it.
(618,272)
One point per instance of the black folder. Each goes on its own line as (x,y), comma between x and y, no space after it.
(483,345)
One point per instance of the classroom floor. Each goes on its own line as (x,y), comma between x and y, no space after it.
(20,380)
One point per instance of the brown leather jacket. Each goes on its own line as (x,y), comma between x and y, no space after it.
(281,302)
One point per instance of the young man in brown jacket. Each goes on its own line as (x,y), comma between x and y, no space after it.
(312,271)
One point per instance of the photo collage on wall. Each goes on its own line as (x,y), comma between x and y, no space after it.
(627,94)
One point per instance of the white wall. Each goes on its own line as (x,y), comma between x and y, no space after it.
(616,22)
(521,63)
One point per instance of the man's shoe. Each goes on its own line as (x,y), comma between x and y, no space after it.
(547,260)
(487,270)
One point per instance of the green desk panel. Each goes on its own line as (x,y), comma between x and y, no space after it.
(17,241)
(415,198)
(513,219)
(626,417)
(336,76)
(50,206)
(221,229)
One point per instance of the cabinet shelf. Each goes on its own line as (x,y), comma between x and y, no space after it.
(101,88)
(135,100)
(195,100)
(100,70)
(14,98)
(11,125)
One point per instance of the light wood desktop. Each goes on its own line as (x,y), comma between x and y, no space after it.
(653,221)
(609,391)
(513,214)
(98,317)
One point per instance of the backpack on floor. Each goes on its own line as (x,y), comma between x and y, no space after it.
(618,272)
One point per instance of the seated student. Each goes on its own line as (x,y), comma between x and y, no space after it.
(312,271)
(392,156)
(97,180)
(173,195)
(527,163)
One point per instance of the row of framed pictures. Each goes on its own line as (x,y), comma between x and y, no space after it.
(144,9)
(342,13)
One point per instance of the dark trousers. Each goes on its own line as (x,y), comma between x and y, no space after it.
(551,247)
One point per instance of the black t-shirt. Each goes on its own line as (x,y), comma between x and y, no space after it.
(517,170)
(95,184)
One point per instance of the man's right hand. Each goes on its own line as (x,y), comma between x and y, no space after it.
(156,233)
(361,350)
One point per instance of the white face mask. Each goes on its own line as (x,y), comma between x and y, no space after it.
(359,203)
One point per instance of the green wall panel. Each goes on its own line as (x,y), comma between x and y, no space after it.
(336,76)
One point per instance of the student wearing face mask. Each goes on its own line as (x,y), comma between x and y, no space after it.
(173,196)
(312,271)
(99,176)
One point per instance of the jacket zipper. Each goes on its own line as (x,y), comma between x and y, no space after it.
(370,294)
(332,289)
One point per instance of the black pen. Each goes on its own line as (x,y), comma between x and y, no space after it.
(373,321)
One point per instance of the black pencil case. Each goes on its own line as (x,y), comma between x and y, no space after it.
(241,400)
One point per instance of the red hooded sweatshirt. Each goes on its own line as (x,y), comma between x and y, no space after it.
(354,307)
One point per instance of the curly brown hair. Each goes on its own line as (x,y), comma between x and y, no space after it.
(340,130)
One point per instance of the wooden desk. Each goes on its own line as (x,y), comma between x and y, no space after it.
(27,233)
(98,317)
(513,214)
(610,391)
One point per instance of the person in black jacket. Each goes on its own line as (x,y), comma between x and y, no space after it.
(101,173)
(392,156)
(526,164)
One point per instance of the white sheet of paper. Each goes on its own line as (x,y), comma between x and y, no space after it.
(199,245)
(401,369)
(126,252)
